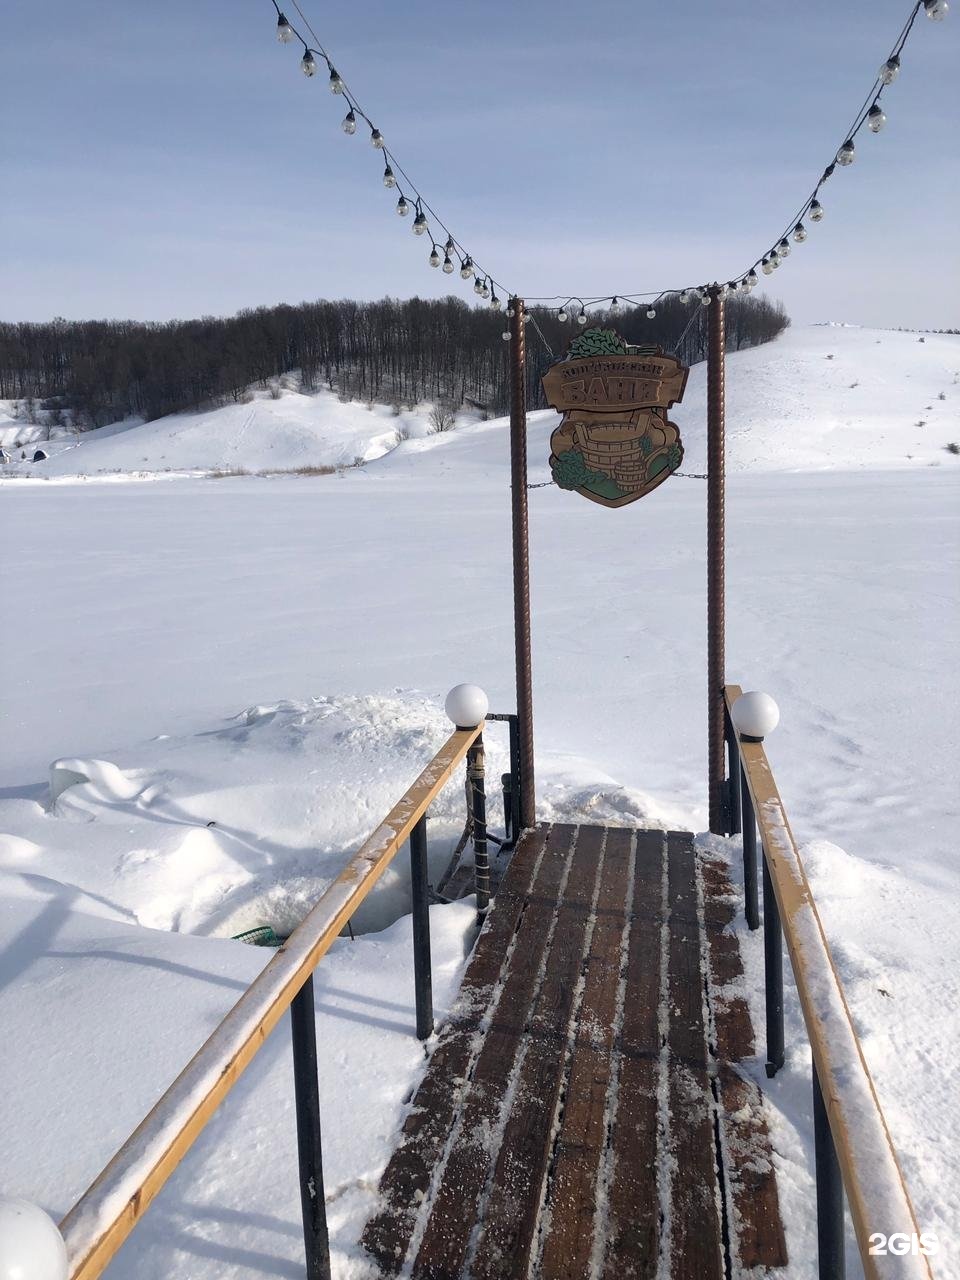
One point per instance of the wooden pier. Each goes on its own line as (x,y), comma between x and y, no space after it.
(583,1113)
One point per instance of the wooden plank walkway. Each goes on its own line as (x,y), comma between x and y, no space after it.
(582,1114)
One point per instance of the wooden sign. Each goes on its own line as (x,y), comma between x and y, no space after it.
(614,443)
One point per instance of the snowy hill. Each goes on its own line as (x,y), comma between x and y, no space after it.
(293,433)
(817,398)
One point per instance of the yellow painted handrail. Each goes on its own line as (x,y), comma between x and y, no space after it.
(872,1177)
(107,1212)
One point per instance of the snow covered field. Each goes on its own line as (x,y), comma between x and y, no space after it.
(269,655)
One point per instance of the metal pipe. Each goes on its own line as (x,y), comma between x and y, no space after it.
(307,1097)
(521,558)
(773,971)
(715,558)
(422,969)
(478,809)
(748,825)
(830,1232)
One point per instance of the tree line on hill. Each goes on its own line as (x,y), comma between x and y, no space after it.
(89,373)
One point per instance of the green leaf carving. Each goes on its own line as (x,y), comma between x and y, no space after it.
(597,342)
(570,470)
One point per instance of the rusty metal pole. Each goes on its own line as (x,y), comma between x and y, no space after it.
(521,558)
(715,560)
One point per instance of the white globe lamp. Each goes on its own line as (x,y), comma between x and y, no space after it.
(466,705)
(755,715)
(31,1246)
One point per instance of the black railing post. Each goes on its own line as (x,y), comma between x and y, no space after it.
(307,1095)
(733,783)
(478,810)
(748,828)
(422,969)
(832,1265)
(516,781)
(773,971)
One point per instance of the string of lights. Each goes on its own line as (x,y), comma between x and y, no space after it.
(448,253)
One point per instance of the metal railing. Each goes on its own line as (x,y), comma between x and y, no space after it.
(103,1217)
(854,1153)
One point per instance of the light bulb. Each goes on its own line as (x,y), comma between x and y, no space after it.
(434,257)
(799,233)
(775,259)
(466,268)
(336,84)
(307,64)
(816,211)
(511,312)
(766,266)
(783,248)
(723,290)
(705,298)
(485,291)
(505,335)
(495,302)
(466,705)
(890,70)
(846,153)
(349,124)
(449,247)
(651,313)
(582,317)
(402,207)
(388,179)
(376,139)
(285,32)
(478,285)
(562,315)
(936,9)
(875,118)
(752,279)
(447,265)
(684,295)
(754,715)
(419,223)
(615,307)
(526,317)
(30,1242)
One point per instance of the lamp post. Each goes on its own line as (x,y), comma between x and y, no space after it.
(754,715)
(467,706)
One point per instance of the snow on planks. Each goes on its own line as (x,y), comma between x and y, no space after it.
(575,1119)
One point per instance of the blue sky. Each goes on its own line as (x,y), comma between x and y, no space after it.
(170,160)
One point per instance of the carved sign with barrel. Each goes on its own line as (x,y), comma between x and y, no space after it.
(614,443)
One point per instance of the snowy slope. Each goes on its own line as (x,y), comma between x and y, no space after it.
(270,656)
(830,397)
(292,432)
(818,398)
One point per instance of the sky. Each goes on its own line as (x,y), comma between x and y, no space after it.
(171,160)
